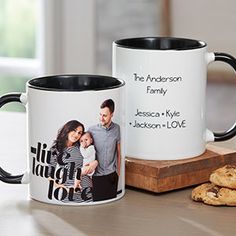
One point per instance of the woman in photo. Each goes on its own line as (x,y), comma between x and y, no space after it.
(65,154)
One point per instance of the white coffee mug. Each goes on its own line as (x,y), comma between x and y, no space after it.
(75,139)
(165,92)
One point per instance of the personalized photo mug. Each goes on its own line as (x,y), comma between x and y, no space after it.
(75,127)
(166,96)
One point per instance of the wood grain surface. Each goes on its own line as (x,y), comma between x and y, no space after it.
(162,175)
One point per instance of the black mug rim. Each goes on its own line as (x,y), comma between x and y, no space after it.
(75,83)
(160,43)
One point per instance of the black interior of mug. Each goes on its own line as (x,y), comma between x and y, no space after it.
(160,43)
(75,82)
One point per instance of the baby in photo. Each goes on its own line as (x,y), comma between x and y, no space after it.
(87,149)
(88,152)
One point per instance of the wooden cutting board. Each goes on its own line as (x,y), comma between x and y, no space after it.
(161,176)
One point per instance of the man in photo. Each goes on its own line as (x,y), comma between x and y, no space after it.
(106,136)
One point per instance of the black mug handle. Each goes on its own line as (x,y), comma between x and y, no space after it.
(4,175)
(230,133)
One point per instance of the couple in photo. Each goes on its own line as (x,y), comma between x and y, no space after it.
(95,152)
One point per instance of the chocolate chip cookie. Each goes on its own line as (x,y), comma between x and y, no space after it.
(214,195)
(225,176)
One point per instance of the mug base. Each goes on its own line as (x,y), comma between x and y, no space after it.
(60,203)
(159,157)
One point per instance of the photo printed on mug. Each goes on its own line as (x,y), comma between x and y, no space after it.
(75,137)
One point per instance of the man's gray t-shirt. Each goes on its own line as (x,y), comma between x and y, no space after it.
(105,142)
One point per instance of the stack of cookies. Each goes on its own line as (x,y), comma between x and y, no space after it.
(221,190)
